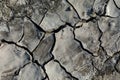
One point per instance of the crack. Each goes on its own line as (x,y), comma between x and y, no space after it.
(73,8)
(31,54)
(37,26)
(65,70)
(60,28)
(116,4)
(8,26)
(43,66)
(88,20)
(116,43)
(52,58)
(18,71)
(43,17)
(105,7)
(81,45)
(99,71)
(39,43)
(99,39)
(46,75)
(22,35)
(15,72)
(115,66)
(11,42)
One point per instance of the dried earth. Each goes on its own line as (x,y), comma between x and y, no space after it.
(59,39)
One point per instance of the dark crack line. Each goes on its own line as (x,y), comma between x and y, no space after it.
(60,28)
(43,17)
(31,54)
(51,50)
(109,16)
(22,35)
(46,75)
(65,70)
(39,42)
(116,62)
(116,4)
(105,7)
(43,65)
(73,8)
(18,71)
(115,66)
(99,71)
(59,62)
(81,45)
(99,39)
(52,58)
(88,20)
(11,42)
(8,26)
(116,43)
(37,26)
(65,21)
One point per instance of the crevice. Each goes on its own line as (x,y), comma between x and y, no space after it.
(60,28)
(117,61)
(98,71)
(39,43)
(116,4)
(109,16)
(105,7)
(99,39)
(34,61)
(18,71)
(65,70)
(73,8)
(88,20)
(43,17)
(37,26)
(81,45)
(56,59)
(52,58)
(43,65)
(46,75)
(22,35)
(11,42)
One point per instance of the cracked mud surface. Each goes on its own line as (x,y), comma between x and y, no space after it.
(59,39)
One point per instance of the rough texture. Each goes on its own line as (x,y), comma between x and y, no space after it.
(59,39)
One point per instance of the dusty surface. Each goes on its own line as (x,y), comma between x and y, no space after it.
(59,39)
